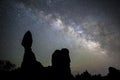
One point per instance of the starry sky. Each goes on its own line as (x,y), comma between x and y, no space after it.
(90,29)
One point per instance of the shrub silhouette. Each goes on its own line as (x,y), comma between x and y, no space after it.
(6,65)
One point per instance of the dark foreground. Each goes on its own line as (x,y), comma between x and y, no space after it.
(60,69)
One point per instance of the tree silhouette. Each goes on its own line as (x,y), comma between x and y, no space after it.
(6,65)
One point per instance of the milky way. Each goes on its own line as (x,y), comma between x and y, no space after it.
(88,28)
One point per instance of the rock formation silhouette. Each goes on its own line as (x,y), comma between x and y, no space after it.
(60,69)
(29,60)
(30,65)
(61,64)
(113,73)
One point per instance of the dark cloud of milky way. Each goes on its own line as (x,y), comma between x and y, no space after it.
(88,28)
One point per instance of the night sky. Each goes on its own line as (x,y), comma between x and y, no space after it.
(90,29)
